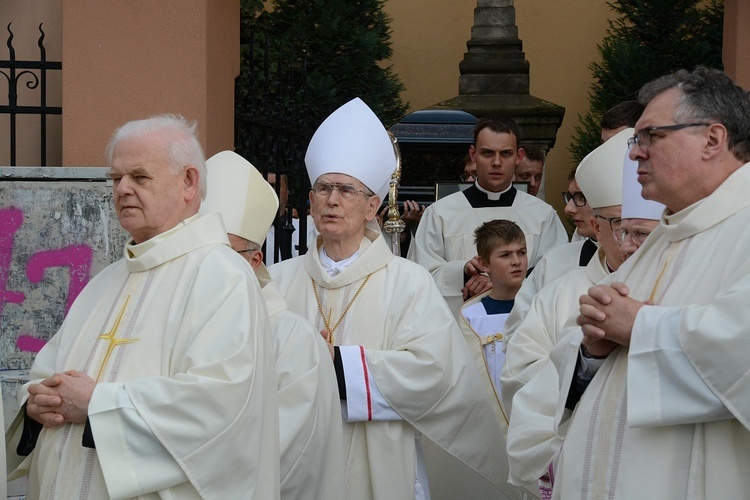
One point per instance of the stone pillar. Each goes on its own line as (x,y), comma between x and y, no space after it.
(129,60)
(495,77)
(494,81)
(495,62)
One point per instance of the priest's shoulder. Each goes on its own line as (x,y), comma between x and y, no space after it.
(565,251)
(531,201)
(219,264)
(408,270)
(451,201)
(284,270)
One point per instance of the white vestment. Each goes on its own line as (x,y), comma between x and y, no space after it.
(311,442)
(416,361)
(557,262)
(486,343)
(444,240)
(176,335)
(670,416)
(531,386)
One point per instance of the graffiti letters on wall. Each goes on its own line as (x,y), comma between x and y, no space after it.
(54,236)
(75,258)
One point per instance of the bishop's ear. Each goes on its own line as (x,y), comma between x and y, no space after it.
(373,204)
(190,179)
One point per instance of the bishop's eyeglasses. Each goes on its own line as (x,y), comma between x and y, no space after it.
(637,237)
(614,222)
(346,191)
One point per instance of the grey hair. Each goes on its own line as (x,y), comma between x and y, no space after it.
(254,247)
(708,94)
(183,147)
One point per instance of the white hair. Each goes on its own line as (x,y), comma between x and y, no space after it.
(183,148)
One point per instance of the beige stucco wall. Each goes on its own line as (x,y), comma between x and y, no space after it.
(127,60)
(559,39)
(736,43)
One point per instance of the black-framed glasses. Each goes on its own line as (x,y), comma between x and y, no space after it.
(614,222)
(346,191)
(642,138)
(636,236)
(578,199)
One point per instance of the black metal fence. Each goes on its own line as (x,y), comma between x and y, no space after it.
(32,74)
(272,132)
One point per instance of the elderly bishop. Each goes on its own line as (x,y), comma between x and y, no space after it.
(405,375)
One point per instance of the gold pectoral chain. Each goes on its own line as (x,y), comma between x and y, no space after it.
(326,319)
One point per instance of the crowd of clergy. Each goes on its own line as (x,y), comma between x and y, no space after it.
(497,361)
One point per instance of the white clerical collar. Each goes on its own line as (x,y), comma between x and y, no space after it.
(490,194)
(135,250)
(332,267)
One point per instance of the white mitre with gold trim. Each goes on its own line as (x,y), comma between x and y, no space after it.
(246,201)
(353,141)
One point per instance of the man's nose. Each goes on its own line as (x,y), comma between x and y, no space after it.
(636,151)
(123,186)
(334,197)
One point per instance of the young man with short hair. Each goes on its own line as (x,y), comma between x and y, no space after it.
(444,241)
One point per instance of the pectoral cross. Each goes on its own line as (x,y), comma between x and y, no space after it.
(113,341)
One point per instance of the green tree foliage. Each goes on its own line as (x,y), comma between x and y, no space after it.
(346,44)
(647,39)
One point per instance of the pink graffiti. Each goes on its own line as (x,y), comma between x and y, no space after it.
(30,343)
(11,220)
(77,258)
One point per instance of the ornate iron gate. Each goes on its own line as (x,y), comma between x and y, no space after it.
(272,131)
(34,74)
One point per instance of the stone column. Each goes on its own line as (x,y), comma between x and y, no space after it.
(495,62)
(128,60)
(494,81)
(495,77)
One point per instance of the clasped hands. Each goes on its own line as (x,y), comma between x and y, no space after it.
(60,399)
(607,315)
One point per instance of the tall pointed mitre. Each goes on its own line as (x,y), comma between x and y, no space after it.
(246,202)
(634,206)
(599,175)
(352,141)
